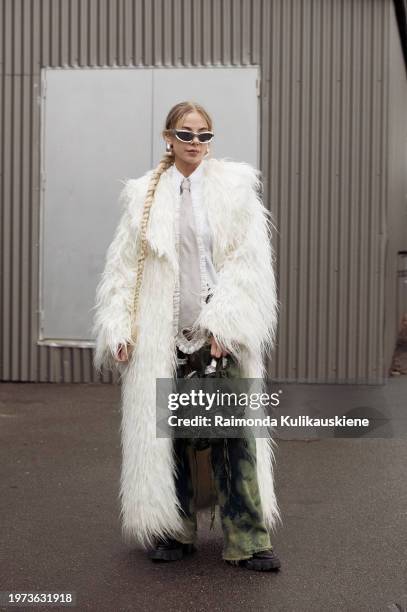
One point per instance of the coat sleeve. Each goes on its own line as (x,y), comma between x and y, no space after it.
(242,312)
(114,293)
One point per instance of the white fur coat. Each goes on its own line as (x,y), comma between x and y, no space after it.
(242,316)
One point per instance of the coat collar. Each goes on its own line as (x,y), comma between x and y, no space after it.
(217,181)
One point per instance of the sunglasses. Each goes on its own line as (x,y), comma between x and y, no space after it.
(187,136)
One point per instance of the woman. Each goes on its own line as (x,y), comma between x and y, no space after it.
(189,277)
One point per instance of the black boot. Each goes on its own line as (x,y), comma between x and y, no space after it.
(263,561)
(170,550)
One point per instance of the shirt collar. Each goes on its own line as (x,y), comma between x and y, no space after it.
(195,177)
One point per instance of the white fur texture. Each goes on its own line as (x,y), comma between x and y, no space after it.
(242,316)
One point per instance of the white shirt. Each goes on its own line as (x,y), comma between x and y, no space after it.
(189,305)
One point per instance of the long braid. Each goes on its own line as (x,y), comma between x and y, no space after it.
(165,163)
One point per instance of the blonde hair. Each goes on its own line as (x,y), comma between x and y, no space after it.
(176,113)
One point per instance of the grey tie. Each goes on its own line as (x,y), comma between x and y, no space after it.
(189,262)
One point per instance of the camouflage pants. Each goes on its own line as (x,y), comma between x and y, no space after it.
(234,470)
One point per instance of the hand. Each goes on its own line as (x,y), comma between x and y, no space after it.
(122,353)
(216,350)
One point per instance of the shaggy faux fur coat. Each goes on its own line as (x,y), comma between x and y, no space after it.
(242,316)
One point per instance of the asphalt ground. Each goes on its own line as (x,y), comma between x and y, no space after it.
(343,542)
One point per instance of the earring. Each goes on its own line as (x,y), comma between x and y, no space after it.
(207,152)
(169,148)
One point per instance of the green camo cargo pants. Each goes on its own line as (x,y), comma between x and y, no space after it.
(234,470)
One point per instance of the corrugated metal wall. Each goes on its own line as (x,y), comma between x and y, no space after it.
(323,155)
(397,189)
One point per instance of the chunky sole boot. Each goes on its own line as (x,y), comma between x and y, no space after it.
(171,550)
(264,561)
